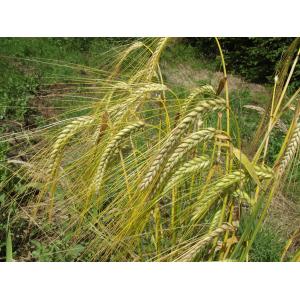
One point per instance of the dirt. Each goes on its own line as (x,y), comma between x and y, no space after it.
(189,78)
(43,100)
(284,215)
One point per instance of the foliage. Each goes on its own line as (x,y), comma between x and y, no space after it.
(57,251)
(253,58)
(267,247)
(24,79)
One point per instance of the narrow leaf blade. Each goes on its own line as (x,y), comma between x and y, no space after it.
(9,252)
(247,164)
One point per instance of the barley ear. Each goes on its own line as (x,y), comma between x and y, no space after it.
(186,145)
(192,166)
(216,190)
(291,150)
(64,136)
(191,253)
(110,149)
(176,134)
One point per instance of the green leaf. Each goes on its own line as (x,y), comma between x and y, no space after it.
(9,252)
(247,164)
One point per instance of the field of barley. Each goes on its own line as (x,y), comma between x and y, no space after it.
(149,149)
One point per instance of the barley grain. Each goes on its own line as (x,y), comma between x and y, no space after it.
(263,172)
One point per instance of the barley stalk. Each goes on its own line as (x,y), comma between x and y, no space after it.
(204,106)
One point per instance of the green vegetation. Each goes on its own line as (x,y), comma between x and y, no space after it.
(253,58)
(140,150)
(268,246)
(31,69)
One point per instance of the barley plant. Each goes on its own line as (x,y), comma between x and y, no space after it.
(138,173)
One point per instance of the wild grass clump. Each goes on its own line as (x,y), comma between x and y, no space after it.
(143,175)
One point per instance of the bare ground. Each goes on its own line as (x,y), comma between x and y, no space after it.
(188,77)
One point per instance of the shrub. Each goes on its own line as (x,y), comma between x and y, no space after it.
(253,58)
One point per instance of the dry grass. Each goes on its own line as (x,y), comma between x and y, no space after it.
(188,77)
